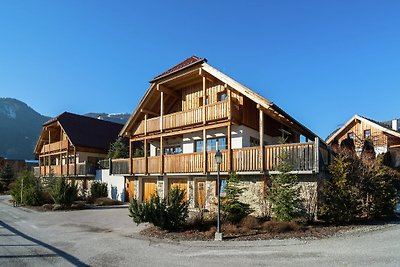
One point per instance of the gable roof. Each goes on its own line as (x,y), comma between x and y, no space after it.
(263,102)
(85,131)
(379,125)
(184,64)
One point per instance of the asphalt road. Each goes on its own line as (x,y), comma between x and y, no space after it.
(108,237)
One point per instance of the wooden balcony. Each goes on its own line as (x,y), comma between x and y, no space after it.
(215,111)
(82,169)
(303,157)
(54,147)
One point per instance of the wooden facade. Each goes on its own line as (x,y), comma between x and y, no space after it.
(383,136)
(199,99)
(63,151)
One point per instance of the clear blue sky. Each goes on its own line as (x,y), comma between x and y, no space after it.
(321,61)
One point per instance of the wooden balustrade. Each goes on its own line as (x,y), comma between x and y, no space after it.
(246,159)
(56,146)
(82,169)
(183,163)
(212,165)
(217,111)
(120,166)
(300,156)
(154,164)
(139,165)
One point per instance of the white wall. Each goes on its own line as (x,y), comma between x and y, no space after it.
(115,184)
(240,135)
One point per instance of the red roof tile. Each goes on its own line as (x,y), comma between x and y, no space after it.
(187,62)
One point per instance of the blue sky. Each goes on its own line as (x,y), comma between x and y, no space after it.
(321,61)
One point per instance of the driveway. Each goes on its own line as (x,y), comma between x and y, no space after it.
(108,237)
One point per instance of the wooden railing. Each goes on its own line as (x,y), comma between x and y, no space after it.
(56,146)
(212,165)
(120,166)
(82,169)
(246,159)
(184,163)
(301,156)
(139,165)
(215,111)
(154,164)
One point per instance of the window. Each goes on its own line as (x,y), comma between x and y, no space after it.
(172,150)
(254,142)
(222,96)
(350,135)
(198,146)
(367,133)
(212,144)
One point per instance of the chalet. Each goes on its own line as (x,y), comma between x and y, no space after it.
(383,136)
(71,145)
(191,111)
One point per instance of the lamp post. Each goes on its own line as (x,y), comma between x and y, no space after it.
(218,160)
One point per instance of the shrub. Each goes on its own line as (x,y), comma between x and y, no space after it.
(157,212)
(6,176)
(360,187)
(105,201)
(234,210)
(98,189)
(250,223)
(63,192)
(31,190)
(284,193)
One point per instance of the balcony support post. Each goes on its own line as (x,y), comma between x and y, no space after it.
(130,157)
(161,108)
(162,155)
(316,155)
(74,161)
(204,151)
(204,101)
(146,167)
(229,147)
(261,153)
(67,159)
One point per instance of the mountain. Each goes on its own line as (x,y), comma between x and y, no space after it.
(20,128)
(115,117)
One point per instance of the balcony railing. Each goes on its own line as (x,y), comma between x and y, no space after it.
(303,157)
(82,169)
(56,146)
(215,111)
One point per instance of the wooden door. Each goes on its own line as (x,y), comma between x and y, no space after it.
(130,189)
(149,188)
(179,182)
(201,194)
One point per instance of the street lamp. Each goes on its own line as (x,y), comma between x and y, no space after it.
(218,160)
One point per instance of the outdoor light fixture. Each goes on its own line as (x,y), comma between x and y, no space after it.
(218,160)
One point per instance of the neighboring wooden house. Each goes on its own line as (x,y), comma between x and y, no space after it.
(384,136)
(71,145)
(191,111)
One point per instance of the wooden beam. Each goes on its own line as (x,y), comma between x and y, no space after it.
(146,111)
(168,91)
(74,161)
(145,156)
(162,154)
(130,157)
(145,124)
(229,148)
(161,110)
(204,150)
(204,101)
(261,154)
(207,75)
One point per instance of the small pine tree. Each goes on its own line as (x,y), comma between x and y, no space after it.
(29,185)
(118,149)
(284,193)
(62,192)
(157,212)
(6,176)
(234,210)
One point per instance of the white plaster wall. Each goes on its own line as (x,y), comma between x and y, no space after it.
(115,184)
(240,135)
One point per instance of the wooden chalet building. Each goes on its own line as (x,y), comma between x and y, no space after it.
(71,145)
(191,111)
(383,136)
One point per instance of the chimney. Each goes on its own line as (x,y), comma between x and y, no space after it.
(395,125)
